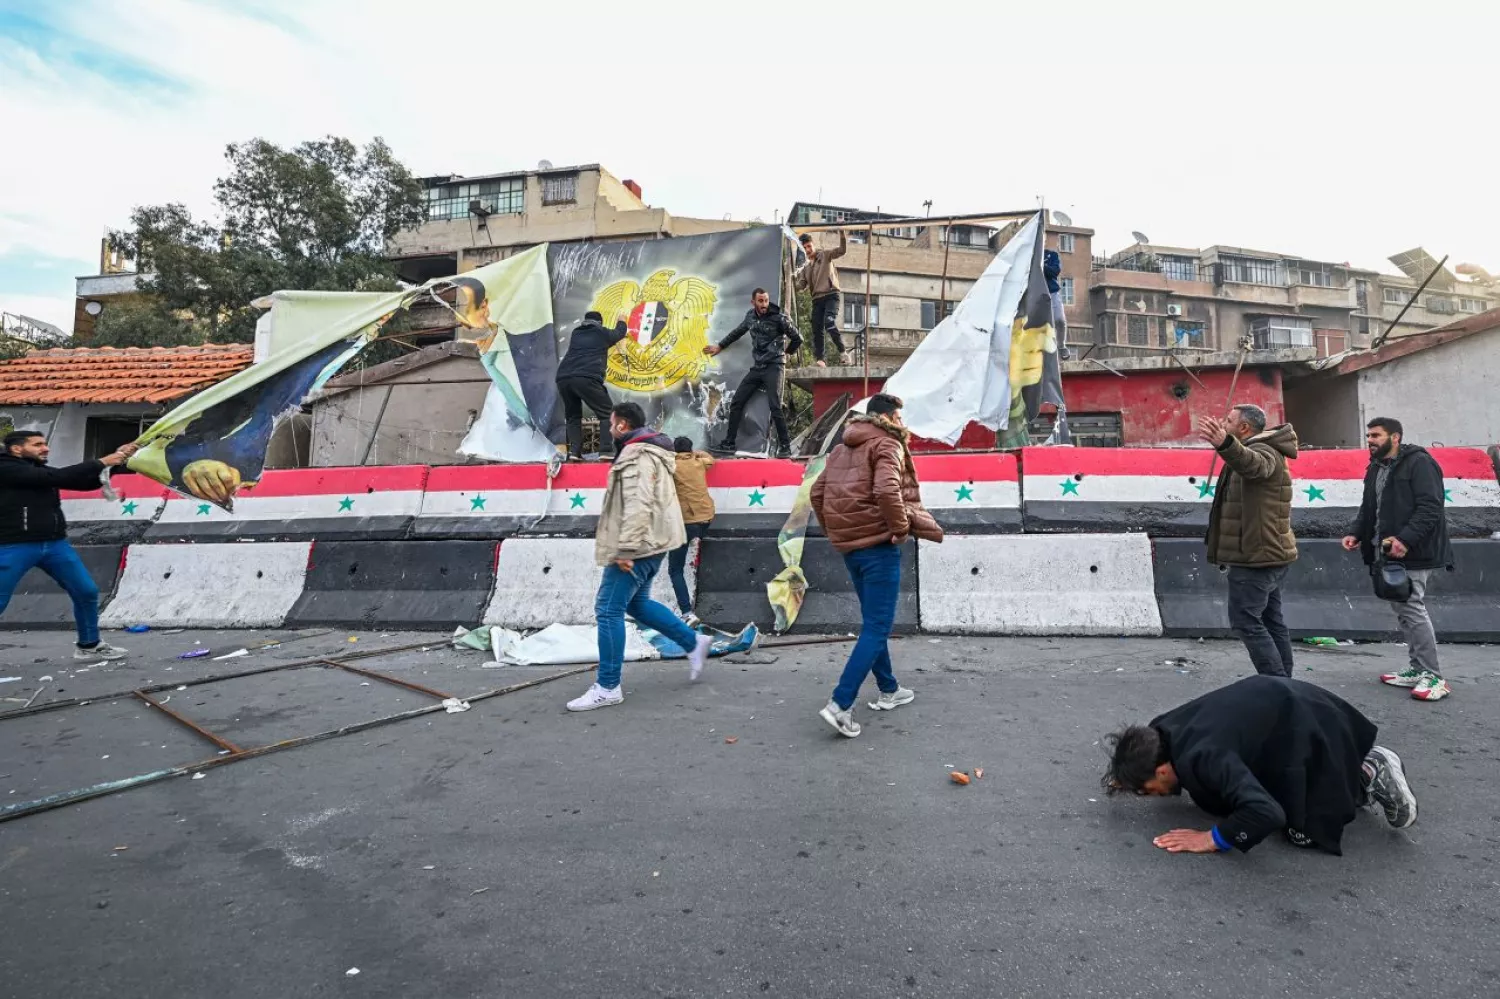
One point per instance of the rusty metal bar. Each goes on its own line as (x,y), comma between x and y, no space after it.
(387,678)
(186,722)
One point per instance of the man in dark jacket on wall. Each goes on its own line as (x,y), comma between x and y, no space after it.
(868,502)
(1250,529)
(580,380)
(1263,754)
(772,336)
(34,534)
(1402,516)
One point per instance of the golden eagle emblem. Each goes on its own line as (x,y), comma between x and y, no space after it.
(668,329)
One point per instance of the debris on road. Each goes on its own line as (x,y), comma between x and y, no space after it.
(731,739)
(478,891)
(199,776)
(195,654)
(959,777)
(453,705)
(138,629)
(233,655)
(352,972)
(979,773)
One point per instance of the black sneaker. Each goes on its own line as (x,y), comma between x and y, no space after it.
(1389,788)
(783,452)
(724,447)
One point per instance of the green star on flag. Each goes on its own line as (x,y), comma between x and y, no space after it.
(1069,487)
(964,493)
(757,498)
(577,500)
(203,509)
(1447,496)
(1314,493)
(346,503)
(477,503)
(128,508)
(1206,488)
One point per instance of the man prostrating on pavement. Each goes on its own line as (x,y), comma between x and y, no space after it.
(1266,754)
(772,337)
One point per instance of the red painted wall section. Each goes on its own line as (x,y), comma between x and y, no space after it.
(1155,407)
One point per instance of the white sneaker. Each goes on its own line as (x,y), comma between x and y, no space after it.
(597,697)
(893,700)
(690,619)
(103,652)
(842,720)
(699,655)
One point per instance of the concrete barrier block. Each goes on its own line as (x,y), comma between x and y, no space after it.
(1328,593)
(416,585)
(542,581)
(40,603)
(733,573)
(209,585)
(1087,584)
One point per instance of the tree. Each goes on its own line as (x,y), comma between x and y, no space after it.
(315,217)
(143,322)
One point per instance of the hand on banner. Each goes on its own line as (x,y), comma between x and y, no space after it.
(114,460)
(211,480)
(1212,430)
(713,350)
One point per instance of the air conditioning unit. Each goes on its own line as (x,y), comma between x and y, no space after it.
(1174,310)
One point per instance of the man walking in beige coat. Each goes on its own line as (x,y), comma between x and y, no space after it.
(639,523)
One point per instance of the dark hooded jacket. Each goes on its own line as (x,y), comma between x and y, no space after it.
(1251,520)
(588,350)
(1270,753)
(30,505)
(1411,509)
(766,335)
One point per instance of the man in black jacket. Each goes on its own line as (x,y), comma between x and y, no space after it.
(580,380)
(1265,754)
(33,533)
(1401,516)
(772,337)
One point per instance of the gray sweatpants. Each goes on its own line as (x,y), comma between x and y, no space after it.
(1416,625)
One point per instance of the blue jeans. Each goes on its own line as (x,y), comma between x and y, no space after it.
(876,574)
(677,566)
(622,593)
(58,560)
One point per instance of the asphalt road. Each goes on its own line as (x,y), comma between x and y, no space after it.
(517,850)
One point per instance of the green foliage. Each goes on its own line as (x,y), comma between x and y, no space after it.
(143,322)
(315,217)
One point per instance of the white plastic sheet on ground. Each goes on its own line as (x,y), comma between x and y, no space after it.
(564,644)
(960,372)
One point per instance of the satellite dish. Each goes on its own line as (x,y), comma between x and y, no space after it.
(544,165)
(1061,218)
(1140,237)
(93,308)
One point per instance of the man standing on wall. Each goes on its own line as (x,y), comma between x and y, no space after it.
(580,379)
(821,279)
(772,337)
(33,533)
(1402,517)
(1250,529)
(639,523)
(868,501)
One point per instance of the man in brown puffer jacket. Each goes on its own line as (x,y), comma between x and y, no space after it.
(1250,529)
(868,501)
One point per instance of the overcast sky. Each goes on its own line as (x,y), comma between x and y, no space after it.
(1333,130)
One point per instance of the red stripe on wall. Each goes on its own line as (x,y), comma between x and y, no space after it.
(338,481)
(995,467)
(129,486)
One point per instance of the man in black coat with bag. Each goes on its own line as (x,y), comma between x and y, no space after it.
(1401,519)
(1266,754)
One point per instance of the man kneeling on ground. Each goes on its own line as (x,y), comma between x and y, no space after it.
(1265,754)
(639,523)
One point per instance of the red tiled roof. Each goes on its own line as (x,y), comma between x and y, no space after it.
(109,374)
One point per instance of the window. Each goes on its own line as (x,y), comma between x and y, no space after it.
(1189,333)
(1440,303)
(104,435)
(1136,329)
(1331,342)
(1361,293)
(1104,328)
(1180,268)
(854,311)
(498,197)
(1249,270)
(1095,429)
(930,311)
(1471,305)
(1364,326)
(1065,242)
(1281,331)
(1317,275)
(1395,296)
(560,189)
(967,235)
(1066,291)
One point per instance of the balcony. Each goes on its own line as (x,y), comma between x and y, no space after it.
(107,285)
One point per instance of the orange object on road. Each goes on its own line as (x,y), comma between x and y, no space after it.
(959,777)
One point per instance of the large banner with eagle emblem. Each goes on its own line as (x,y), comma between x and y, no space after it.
(675,296)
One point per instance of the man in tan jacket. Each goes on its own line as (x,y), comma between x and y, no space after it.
(821,279)
(868,502)
(1250,529)
(697,513)
(638,524)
